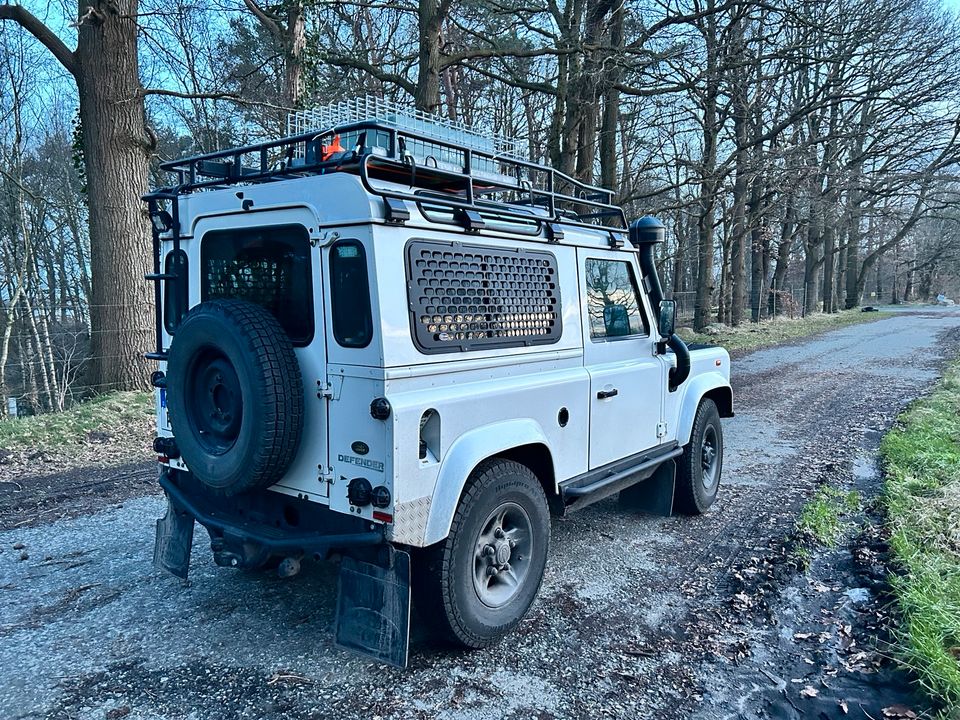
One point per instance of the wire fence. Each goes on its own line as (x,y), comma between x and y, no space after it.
(50,358)
(785,302)
(49,355)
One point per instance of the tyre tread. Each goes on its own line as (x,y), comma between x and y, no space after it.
(686,499)
(282,401)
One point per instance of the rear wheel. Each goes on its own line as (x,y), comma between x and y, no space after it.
(480,582)
(699,468)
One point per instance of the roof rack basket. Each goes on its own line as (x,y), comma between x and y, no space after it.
(441,164)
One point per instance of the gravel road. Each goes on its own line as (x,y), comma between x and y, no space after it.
(638,617)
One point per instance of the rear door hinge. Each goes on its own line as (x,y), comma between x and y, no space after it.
(661,430)
(329,390)
(326,475)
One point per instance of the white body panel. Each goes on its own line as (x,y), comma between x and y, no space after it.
(488,400)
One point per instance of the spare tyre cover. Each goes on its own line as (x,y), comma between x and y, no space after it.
(234,396)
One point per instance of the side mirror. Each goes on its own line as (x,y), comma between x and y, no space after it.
(668,317)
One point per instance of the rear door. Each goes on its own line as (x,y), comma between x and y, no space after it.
(274,264)
(626,377)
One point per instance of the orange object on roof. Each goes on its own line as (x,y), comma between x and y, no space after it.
(334,147)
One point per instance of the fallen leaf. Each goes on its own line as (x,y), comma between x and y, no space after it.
(843,706)
(809,691)
(899,712)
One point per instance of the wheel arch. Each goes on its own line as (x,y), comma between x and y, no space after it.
(709,385)
(538,458)
(520,440)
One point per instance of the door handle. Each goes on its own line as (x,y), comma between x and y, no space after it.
(604,394)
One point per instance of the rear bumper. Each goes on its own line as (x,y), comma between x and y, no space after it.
(247,530)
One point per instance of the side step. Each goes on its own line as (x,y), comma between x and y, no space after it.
(599,484)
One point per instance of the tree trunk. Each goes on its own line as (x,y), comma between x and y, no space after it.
(611,104)
(811,267)
(427,97)
(296,43)
(708,182)
(116,153)
(785,243)
(829,242)
(739,231)
(841,278)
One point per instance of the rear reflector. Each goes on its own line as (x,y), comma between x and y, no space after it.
(382,516)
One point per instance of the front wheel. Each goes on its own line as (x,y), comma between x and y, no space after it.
(699,468)
(479,583)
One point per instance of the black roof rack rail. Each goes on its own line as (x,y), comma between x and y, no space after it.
(459,176)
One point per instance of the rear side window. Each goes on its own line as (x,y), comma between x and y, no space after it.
(613,302)
(473,297)
(175,299)
(269,266)
(350,294)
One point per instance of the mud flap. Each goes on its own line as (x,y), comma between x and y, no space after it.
(655,494)
(171,549)
(373,608)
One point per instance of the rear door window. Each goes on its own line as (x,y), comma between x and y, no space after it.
(269,266)
(350,294)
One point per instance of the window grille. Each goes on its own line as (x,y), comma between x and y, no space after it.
(470,297)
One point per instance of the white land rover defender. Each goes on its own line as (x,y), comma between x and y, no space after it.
(388,340)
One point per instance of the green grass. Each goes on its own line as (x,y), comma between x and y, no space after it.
(751,336)
(821,519)
(114,415)
(922,500)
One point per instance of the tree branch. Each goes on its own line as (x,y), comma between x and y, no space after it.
(372,70)
(41,32)
(232,97)
(270,23)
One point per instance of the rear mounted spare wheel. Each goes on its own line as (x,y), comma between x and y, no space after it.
(234,396)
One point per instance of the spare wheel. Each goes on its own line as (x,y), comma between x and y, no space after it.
(234,396)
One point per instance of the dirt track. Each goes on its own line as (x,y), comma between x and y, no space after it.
(639,617)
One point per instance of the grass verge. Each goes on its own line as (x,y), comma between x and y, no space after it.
(751,336)
(103,430)
(922,500)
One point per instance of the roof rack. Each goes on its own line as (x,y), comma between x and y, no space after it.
(438,167)
(405,118)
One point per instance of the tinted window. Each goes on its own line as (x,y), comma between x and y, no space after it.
(613,301)
(175,298)
(350,295)
(268,266)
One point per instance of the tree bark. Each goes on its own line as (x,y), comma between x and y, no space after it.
(430,14)
(290,35)
(116,149)
(611,104)
(708,181)
(116,156)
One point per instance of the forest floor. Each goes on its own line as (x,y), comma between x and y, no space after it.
(772,605)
